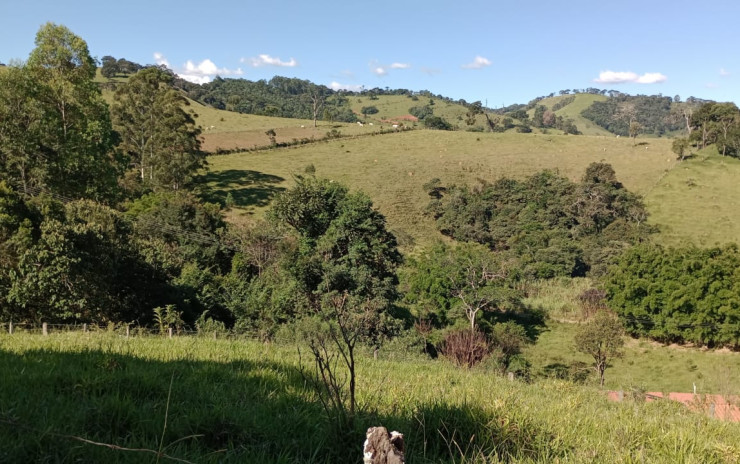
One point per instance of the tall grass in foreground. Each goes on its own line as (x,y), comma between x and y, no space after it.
(242,401)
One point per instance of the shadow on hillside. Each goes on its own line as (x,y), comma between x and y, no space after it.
(247,188)
(238,411)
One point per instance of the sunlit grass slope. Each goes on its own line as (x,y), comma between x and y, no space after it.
(395,106)
(698,201)
(240,401)
(573,111)
(392,168)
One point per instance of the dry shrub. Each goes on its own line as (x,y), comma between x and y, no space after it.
(592,301)
(465,347)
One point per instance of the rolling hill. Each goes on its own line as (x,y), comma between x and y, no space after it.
(392,168)
(573,111)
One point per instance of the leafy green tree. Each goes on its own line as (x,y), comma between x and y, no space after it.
(21,131)
(678,295)
(345,266)
(554,226)
(479,281)
(539,115)
(716,123)
(157,135)
(635,129)
(17,229)
(474,109)
(108,67)
(447,285)
(436,122)
(83,267)
(366,110)
(68,148)
(344,245)
(602,338)
(421,112)
(680,146)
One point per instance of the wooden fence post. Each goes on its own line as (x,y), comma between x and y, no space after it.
(10,328)
(84,327)
(44,329)
(169,332)
(214,334)
(128,329)
(711,410)
(620,395)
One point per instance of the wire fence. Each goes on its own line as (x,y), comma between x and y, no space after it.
(124,330)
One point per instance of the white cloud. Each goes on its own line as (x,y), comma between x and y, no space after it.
(205,71)
(651,78)
(379,70)
(267,60)
(337,86)
(621,77)
(400,66)
(478,63)
(160,59)
(724,73)
(430,71)
(199,73)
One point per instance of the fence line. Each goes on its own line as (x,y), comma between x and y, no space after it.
(125,330)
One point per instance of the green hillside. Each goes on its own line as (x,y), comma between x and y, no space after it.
(573,111)
(392,107)
(698,201)
(392,168)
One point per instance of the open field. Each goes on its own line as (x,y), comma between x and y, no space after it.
(242,401)
(228,130)
(646,365)
(395,106)
(698,202)
(392,168)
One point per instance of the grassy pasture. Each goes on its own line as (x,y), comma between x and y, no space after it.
(229,130)
(573,111)
(392,168)
(646,365)
(395,106)
(242,401)
(697,202)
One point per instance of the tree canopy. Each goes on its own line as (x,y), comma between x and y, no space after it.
(556,227)
(55,129)
(157,136)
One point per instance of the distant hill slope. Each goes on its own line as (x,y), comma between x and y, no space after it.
(397,106)
(573,111)
(228,130)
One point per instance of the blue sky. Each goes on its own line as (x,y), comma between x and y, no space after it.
(494,51)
